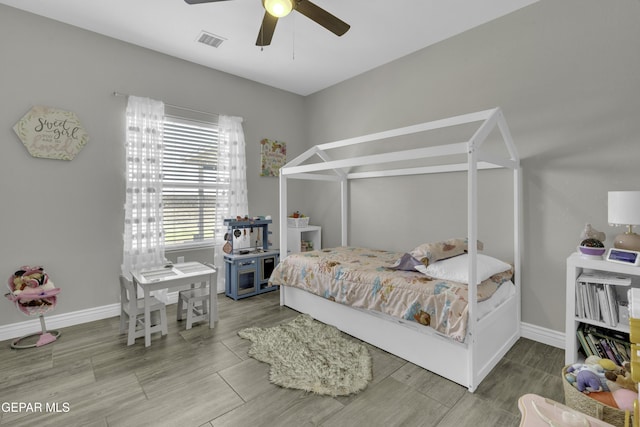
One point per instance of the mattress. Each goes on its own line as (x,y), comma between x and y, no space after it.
(363,278)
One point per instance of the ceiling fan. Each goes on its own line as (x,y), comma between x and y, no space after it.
(275,9)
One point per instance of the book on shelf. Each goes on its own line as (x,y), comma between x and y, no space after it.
(604,343)
(597,298)
(612,300)
(604,277)
(586,347)
(617,358)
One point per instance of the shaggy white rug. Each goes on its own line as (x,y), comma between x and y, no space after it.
(309,355)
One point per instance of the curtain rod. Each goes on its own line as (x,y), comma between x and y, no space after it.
(115,93)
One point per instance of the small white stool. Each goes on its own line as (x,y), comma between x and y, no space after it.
(197,305)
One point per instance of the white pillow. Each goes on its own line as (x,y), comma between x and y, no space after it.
(456,269)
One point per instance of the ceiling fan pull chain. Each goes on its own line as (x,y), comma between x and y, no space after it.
(261,38)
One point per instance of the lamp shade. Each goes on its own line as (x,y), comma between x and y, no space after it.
(624,208)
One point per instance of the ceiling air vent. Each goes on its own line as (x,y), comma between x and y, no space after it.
(210,39)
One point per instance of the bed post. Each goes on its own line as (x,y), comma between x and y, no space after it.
(283,223)
(344,210)
(517,210)
(472,230)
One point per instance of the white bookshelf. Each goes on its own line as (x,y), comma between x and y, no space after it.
(576,265)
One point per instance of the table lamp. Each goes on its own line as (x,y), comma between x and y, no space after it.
(624,209)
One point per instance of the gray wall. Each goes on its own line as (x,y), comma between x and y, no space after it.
(567,75)
(68,216)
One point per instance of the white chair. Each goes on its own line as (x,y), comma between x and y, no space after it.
(197,305)
(132,312)
(196,301)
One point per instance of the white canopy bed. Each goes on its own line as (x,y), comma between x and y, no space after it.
(488,336)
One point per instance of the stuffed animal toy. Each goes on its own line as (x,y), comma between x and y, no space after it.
(606,364)
(588,381)
(582,376)
(621,379)
(422,317)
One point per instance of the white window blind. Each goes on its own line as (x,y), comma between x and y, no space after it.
(190,182)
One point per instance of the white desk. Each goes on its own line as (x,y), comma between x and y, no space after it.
(181,274)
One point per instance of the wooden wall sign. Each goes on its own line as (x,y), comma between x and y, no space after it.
(51,133)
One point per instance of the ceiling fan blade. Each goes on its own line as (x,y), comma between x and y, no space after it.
(267,29)
(322,17)
(201,1)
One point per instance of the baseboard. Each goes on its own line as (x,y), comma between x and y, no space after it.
(56,321)
(14,330)
(542,335)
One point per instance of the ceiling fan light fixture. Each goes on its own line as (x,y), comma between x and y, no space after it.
(278,8)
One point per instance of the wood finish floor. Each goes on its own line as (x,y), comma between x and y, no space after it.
(203,377)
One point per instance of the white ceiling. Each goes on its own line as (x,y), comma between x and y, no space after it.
(303,57)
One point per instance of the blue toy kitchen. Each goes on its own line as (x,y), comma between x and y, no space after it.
(248,260)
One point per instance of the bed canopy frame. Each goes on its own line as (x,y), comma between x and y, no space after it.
(488,339)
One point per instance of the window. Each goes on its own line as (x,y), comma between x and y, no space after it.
(190,181)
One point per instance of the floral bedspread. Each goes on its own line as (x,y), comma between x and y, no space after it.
(362,278)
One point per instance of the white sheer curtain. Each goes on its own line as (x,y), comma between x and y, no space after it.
(143,230)
(232,164)
(232,170)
